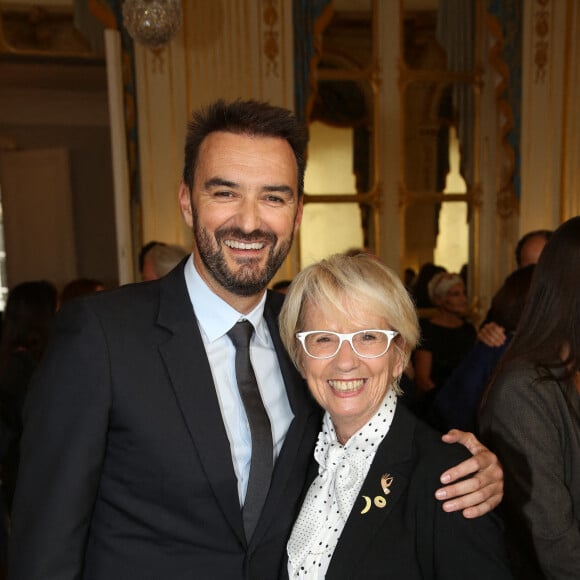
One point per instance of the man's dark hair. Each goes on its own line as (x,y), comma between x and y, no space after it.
(526,238)
(253,118)
(548,333)
(508,303)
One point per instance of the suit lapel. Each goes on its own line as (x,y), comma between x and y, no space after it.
(393,460)
(188,367)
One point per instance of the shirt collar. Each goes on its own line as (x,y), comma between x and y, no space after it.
(364,442)
(215,316)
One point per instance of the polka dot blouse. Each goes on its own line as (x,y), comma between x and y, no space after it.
(329,501)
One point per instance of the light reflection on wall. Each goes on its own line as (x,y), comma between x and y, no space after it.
(452,242)
(329,228)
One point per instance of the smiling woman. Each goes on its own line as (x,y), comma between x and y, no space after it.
(350,326)
(333,303)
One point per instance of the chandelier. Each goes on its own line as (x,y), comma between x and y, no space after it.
(152,23)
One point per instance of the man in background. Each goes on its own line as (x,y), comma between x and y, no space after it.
(157,259)
(528,251)
(530,246)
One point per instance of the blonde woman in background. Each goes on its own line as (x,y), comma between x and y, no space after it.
(446,338)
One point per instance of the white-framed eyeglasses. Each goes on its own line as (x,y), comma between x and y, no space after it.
(323,344)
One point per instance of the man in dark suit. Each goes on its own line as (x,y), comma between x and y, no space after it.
(137,452)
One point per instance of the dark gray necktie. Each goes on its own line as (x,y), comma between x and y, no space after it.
(262,452)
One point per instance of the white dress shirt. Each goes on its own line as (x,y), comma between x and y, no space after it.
(215,318)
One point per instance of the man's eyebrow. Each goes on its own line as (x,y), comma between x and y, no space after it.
(219,182)
(279,189)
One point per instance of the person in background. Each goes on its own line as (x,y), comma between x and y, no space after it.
(28,318)
(528,251)
(140,458)
(370,511)
(529,247)
(158,259)
(281,286)
(80,287)
(445,338)
(464,273)
(419,290)
(145,268)
(409,278)
(531,418)
(456,405)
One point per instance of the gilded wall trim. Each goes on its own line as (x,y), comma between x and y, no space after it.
(570,175)
(506,199)
(541,32)
(271,47)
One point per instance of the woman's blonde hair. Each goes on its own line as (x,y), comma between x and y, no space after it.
(441,283)
(350,284)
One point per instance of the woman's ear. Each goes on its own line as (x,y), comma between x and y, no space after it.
(398,360)
(300,366)
(298,363)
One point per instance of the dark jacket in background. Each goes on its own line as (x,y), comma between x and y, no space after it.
(534,428)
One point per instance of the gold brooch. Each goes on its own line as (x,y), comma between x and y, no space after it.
(386,482)
(379,501)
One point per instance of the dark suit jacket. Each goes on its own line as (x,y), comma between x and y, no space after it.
(412,537)
(126,469)
(534,427)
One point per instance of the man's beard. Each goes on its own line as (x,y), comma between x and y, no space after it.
(250,278)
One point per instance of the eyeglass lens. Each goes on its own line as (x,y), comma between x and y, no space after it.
(366,343)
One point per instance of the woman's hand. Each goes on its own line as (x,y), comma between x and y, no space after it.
(492,334)
(481,492)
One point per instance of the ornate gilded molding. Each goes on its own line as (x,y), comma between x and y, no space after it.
(506,200)
(271,19)
(541,36)
(42,31)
